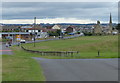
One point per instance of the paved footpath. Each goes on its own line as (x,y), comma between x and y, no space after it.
(79,69)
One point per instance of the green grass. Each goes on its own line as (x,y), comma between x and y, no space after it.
(4,40)
(21,68)
(88,46)
(0,68)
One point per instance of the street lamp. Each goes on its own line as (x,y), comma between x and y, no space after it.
(34,29)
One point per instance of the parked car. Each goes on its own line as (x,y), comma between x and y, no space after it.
(60,37)
(81,34)
(22,41)
(114,33)
(7,45)
(71,33)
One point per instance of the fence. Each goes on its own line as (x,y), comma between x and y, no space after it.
(53,53)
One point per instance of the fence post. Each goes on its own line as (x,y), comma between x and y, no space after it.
(55,53)
(72,54)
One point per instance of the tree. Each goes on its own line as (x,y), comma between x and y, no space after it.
(54,33)
(58,32)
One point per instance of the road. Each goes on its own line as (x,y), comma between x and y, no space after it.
(79,69)
(5,50)
(73,36)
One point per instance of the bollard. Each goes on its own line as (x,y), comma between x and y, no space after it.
(98,53)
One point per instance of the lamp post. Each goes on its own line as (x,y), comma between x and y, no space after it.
(34,29)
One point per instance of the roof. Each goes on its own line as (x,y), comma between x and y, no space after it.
(15,33)
(10,27)
(26,27)
(43,29)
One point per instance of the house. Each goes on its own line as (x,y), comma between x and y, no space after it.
(25,32)
(56,27)
(60,27)
(39,32)
(14,35)
(10,28)
(71,29)
(63,28)
(32,30)
(23,28)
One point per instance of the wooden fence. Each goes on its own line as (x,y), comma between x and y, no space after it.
(53,53)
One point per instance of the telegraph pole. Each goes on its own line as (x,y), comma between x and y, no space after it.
(34,29)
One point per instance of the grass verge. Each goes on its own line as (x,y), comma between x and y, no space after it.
(75,56)
(21,68)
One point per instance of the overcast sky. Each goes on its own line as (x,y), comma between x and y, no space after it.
(59,12)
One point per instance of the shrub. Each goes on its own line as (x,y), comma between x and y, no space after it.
(88,33)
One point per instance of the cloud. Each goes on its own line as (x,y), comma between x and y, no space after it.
(48,20)
(52,10)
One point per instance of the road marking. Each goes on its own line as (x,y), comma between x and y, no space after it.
(5,50)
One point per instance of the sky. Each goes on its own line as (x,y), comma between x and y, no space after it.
(58,12)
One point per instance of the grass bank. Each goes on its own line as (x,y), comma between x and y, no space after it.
(88,46)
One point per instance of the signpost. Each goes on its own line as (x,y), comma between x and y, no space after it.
(34,29)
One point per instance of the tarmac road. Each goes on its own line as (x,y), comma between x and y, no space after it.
(5,50)
(79,69)
(73,36)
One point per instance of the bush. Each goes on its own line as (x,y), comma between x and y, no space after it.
(78,32)
(88,33)
(54,33)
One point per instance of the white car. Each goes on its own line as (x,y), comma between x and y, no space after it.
(81,34)
(22,41)
(114,33)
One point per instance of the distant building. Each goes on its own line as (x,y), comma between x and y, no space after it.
(23,28)
(60,27)
(110,24)
(56,27)
(32,30)
(98,28)
(71,29)
(109,28)
(11,28)
(26,27)
(106,29)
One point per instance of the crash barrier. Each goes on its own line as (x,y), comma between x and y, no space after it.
(53,53)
